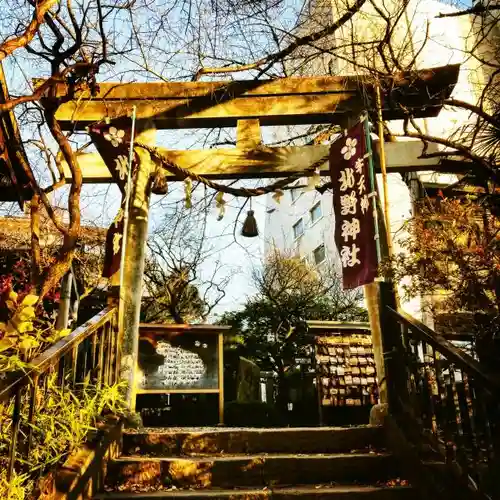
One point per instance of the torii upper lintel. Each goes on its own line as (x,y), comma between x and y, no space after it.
(284,101)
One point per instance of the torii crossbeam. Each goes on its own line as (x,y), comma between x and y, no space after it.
(248,105)
(283,101)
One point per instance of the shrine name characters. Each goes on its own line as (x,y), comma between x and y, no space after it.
(352,181)
(354,227)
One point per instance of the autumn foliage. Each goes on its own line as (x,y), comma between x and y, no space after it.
(451,253)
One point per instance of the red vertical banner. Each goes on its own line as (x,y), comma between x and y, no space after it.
(112,140)
(354,222)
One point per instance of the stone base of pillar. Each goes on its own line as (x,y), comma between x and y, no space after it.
(378,414)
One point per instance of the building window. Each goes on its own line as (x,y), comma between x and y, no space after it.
(315,212)
(295,193)
(319,254)
(298,229)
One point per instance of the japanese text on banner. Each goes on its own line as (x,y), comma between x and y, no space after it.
(354,222)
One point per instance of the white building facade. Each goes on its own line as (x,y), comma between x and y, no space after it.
(303,222)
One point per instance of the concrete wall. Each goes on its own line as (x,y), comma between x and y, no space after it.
(485,45)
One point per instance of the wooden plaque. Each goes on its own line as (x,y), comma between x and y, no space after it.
(184,364)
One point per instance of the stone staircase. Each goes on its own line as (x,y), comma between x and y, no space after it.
(228,463)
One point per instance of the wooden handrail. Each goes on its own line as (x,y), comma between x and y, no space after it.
(452,353)
(53,354)
(442,399)
(90,353)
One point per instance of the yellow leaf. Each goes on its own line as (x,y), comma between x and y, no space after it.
(220,203)
(28,343)
(3,327)
(13,296)
(6,343)
(29,300)
(11,305)
(25,326)
(219,198)
(27,313)
(188,187)
(64,333)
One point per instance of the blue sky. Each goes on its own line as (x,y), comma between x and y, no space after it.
(173,53)
(169,54)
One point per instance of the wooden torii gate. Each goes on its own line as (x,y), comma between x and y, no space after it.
(247,105)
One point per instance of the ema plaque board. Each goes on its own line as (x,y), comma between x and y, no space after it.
(186,363)
(345,368)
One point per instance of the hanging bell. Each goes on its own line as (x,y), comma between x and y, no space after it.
(250,226)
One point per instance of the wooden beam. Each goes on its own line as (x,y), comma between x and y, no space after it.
(118,91)
(178,391)
(219,90)
(285,101)
(248,134)
(209,113)
(264,162)
(220,359)
(182,329)
(226,163)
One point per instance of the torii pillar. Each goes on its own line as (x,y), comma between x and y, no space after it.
(130,278)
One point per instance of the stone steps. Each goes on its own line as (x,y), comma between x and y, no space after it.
(179,442)
(319,492)
(229,463)
(250,470)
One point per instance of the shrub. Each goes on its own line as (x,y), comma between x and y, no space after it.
(63,421)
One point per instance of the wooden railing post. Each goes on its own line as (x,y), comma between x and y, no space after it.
(372,297)
(442,400)
(395,371)
(89,352)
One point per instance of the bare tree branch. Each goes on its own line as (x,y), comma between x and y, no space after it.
(280,55)
(42,7)
(479,8)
